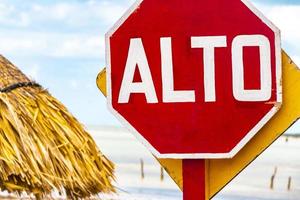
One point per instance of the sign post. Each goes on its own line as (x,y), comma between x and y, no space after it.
(193,179)
(194,80)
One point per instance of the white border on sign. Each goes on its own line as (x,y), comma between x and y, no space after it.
(251,133)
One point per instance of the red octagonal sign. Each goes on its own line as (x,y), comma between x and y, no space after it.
(194,79)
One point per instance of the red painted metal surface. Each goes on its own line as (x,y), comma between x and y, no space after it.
(199,127)
(193,179)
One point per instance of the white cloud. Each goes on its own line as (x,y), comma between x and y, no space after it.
(24,19)
(286,18)
(79,14)
(110,12)
(67,13)
(6,9)
(81,46)
(18,43)
(9,15)
(64,29)
(52,44)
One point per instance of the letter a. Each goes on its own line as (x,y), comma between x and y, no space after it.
(137,58)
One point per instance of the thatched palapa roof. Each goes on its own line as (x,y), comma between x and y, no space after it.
(42,146)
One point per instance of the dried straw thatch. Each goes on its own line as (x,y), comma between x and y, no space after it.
(42,146)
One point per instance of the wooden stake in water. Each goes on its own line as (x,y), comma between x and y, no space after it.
(289,183)
(142,169)
(161,174)
(272,182)
(272,178)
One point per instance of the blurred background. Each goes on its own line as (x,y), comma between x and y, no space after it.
(60,44)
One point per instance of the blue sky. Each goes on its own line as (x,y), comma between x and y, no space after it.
(60,44)
(282,2)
